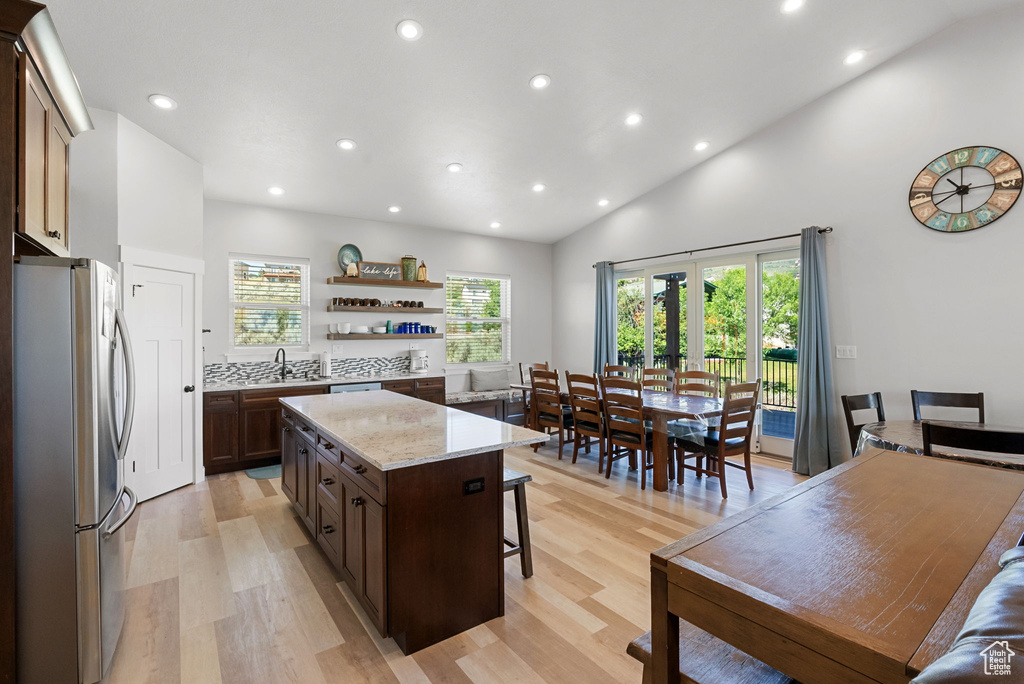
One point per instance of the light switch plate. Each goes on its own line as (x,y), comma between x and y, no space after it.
(337,349)
(846,352)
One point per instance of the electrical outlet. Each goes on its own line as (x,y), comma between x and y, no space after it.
(337,349)
(846,352)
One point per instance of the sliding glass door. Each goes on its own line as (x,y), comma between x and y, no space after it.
(734,316)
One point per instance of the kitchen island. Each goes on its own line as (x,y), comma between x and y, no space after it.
(404,497)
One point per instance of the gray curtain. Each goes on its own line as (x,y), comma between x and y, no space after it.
(818,443)
(605,346)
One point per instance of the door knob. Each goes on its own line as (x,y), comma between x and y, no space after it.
(303,451)
(287,429)
(357,501)
(54,234)
(190,388)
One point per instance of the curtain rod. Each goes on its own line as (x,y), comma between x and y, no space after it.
(708,249)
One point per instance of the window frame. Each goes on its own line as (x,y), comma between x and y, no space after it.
(505,320)
(303,307)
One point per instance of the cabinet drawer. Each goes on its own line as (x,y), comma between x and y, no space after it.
(287,419)
(328,533)
(326,446)
(328,483)
(272,394)
(220,400)
(400,386)
(430,383)
(368,478)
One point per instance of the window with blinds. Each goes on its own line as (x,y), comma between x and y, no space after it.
(270,301)
(478,319)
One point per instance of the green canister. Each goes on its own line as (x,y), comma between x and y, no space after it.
(408,268)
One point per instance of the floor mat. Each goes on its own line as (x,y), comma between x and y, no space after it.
(265,473)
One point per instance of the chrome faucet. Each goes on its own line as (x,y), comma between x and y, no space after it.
(284,364)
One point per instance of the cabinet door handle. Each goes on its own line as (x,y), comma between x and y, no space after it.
(55,234)
(328,481)
(303,451)
(286,428)
(328,445)
(360,469)
(357,501)
(304,428)
(328,529)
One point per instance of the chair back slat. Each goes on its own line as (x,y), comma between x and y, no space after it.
(948,399)
(861,402)
(997,441)
(656,379)
(526,368)
(696,382)
(620,371)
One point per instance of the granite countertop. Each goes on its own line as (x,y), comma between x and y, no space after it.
(395,431)
(347,379)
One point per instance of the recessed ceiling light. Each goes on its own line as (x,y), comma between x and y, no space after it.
(409,30)
(702,145)
(394,209)
(602,202)
(634,119)
(454,167)
(854,57)
(792,5)
(274,190)
(162,101)
(540,81)
(347,144)
(495,224)
(539,187)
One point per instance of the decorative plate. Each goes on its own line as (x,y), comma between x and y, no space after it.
(348,254)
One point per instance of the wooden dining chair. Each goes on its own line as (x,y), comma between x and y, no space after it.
(549,413)
(619,371)
(626,433)
(525,369)
(998,441)
(732,437)
(861,402)
(954,399)
(656,379)
(696,382)
(587,418)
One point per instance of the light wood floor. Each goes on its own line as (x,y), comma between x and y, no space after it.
(225,585)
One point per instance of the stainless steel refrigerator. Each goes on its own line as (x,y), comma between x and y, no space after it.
(73,408)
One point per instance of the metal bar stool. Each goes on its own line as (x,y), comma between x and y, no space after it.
(516,482)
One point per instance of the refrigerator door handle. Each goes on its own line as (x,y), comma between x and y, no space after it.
(133,501)
(129,399)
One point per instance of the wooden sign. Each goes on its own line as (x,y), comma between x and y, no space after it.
(380,271)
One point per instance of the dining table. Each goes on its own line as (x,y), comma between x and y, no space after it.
(660,408)
(864,573)
(905,436)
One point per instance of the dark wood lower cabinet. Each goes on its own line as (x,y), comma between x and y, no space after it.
(420,550)
(289,462)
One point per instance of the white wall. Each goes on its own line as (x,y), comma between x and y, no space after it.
(248,229)
(92,172)
(926,310)
(160,194)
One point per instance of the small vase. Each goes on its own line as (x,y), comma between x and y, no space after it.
(408,268)
(421,273)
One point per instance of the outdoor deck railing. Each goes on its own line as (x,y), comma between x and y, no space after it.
(778,375)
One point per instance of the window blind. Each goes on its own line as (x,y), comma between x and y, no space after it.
(270,301)
(478,319)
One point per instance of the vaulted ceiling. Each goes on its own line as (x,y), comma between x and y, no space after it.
(266,88)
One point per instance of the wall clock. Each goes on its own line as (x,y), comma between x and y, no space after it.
(966,189)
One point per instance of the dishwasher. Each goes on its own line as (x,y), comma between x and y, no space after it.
(360,387)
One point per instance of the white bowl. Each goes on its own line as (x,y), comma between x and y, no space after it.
(360,329)
(380,329)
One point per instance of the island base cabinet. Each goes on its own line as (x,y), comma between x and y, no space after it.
(289,467)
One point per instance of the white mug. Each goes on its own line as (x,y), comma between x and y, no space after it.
(346,328)
(333,327)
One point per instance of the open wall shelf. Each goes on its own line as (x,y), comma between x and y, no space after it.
(345,280)
(339,337)
(387,309)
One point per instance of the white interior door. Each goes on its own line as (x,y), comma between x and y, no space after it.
(159,306)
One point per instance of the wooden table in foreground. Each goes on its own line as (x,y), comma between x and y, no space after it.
(905,436)
(660,408)
(862,574)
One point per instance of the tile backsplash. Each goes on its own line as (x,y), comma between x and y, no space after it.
(259,370)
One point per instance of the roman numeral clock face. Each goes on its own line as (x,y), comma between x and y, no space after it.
(966,189)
